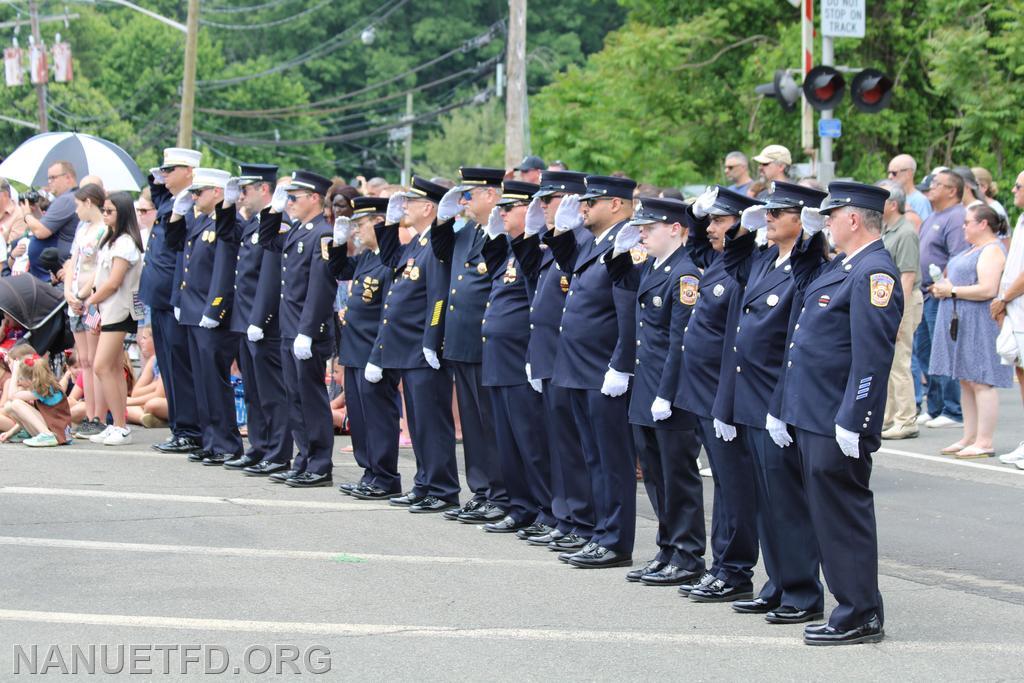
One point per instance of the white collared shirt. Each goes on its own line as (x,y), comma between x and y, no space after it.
(850,257)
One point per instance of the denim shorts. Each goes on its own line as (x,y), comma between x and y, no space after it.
(77,323)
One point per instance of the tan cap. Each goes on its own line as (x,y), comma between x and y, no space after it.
(776,153)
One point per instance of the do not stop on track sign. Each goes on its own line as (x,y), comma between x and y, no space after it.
(843,18)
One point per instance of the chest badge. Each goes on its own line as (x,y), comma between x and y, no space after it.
(414,273)
(772,300)
(370,287)
(719,290)
(656,301)
(510,272)
(255,238)
(824,300)
(563,284)
(481,268)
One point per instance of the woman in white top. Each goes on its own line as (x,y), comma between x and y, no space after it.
(78,277)
(116,294)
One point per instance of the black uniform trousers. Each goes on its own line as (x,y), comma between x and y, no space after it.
(611,465)
(170,341)
(270,437)
(525,466)
(789,549)
(734,526)
(572,499)
(428,410)
(668,459)
(373,421)
(212,352)
(309,407)
(483,467)
(842,509)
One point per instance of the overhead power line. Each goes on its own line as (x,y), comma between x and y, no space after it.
(265,24)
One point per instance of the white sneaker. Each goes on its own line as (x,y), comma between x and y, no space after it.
(1020,464)
(943,421)
(923,417)
(1016,455)
(119,436)
(102,436)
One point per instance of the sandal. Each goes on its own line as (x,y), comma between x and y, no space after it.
(971,453)
(953,449)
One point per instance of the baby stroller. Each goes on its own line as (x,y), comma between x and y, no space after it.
(39,307)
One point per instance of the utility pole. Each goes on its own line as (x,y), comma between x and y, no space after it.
(43,120)
(188,80)
(807,63)
(515,94)
(407,166)
(827,169)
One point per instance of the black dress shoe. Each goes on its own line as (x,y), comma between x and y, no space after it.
(471,505)
(507,525)
(308,480)
(587,549)
(652,566)
(431,504)
(373,493)
(242,462)
(264,468)
(200,455)
(488,512)
(547,539)
(824,634)
(535,529)
(571,542)
(670,575)
(218,459)
(602,558)
(283,476)
(756,606)
(720,591)
(348,487)
(406,499)
(706,579)
(791,615)
(178,444)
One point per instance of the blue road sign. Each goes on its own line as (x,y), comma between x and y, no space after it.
(830,128)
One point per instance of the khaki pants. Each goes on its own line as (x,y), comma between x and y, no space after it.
(901,407)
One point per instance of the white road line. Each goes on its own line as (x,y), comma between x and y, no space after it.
(789,641)
(212,500)
(951,461)
(336,556)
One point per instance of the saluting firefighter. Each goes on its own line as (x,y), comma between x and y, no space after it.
(838,357)
(307,329)
(663,283)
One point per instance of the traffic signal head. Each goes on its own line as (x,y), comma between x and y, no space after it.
(823,87)
(871,91)
(783,88)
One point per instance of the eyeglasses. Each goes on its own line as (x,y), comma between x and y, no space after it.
(168,169)
(140,210)
(508,207)
(51,178)
(893,174)
(297,197)
(934,185)
(547,199)
(110,212)
(594,200)
(467,195)
(198,191)
(775,213)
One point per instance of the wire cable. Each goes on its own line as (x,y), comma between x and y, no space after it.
(265,24)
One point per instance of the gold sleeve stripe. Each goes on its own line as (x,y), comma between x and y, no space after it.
(435,319)
(216,302)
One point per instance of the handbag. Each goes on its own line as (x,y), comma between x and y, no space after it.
(954,323)
(1006,343)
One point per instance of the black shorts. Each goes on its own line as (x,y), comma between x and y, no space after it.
(129,325)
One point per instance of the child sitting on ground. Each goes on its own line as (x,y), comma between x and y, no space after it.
(37,405)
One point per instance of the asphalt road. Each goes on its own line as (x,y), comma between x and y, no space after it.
(127,547)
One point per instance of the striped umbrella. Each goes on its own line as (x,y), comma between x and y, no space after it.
(88,154)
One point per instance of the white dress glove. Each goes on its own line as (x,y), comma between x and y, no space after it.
(208,323)
(535,219)
(372,373)
(754,217)
(626,238)
(568,216)
(431,357)
(342,229)
(303,347)
(535,384)
(450,205)
(724,432)
(177,314)
(661,409)
(395,210)
(849,442)
(158,176)
(495,224)
(703,205)
(232,191)
(812,220)
(778,430)
(615,383)
(183,203)
(254,333)
(279,199)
